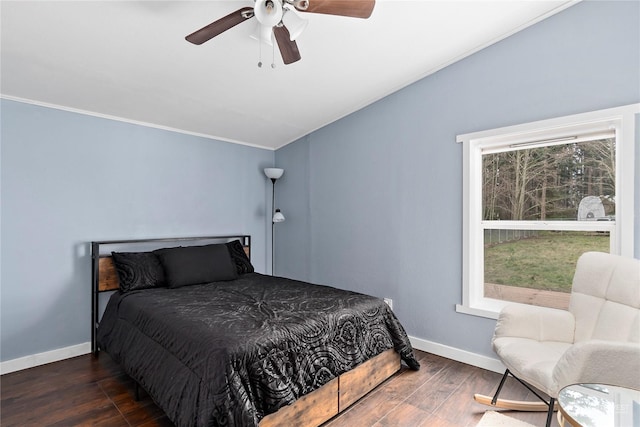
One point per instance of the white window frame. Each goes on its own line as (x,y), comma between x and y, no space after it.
(618,122)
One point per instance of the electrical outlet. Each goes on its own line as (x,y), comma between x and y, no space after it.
(389,302)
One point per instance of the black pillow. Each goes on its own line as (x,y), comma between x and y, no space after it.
(138,270)
(192,265)
(239,257)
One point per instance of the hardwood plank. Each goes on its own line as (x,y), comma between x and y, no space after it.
(105,417)
(81,369)
(81,401)
(121,391)
(460,406)
(402,386)
(434,420)
(158,422)
(405,415)
(436,391)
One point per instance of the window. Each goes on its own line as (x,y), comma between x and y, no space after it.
(538,195)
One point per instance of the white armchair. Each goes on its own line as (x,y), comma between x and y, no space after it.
(596,341)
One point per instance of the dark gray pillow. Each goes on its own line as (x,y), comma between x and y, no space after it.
(192,265)
(239,257)
(138,270)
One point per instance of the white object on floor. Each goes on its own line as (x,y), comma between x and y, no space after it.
(496,419)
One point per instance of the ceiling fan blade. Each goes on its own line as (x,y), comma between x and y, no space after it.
(220,26)
(288,48)
(352,8)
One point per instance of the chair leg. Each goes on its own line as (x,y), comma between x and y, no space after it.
(552,402)
(495,396)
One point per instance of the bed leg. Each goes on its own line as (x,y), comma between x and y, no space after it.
(136,392)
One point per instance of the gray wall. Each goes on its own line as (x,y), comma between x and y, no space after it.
(68,179)
(375,199)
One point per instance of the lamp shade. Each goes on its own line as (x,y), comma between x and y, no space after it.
(294,23)
(273,173)
(263,34)
(278,217)
(268,12)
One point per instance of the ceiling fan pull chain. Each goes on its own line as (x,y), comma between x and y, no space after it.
(259,53)
(273,55)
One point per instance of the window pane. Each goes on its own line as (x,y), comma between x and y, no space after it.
(574,181)
(524,265)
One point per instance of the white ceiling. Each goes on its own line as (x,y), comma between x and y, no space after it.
(129,60)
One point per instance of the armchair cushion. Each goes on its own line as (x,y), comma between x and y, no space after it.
(605,297)
(531,360)
(536,323)
(600,362)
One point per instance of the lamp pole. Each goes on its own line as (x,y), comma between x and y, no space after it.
(276,216)
(273,223)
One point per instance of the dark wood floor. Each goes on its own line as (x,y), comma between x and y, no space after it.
(94,391)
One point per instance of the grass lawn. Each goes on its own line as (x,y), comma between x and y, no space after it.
(546,261)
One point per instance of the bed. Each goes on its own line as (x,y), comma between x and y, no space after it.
(243,349)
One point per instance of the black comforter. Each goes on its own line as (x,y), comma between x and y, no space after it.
(229,353)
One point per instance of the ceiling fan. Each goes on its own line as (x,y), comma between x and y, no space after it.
(277,18)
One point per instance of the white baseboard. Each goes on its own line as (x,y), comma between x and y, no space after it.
(453,353)
(463,356)
(44,358)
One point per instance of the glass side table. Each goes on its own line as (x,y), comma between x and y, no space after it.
(598,405)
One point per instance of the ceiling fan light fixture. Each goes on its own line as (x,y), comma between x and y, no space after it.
(266,34)
(294,23)
(263,34)
(268,12)
(269,6)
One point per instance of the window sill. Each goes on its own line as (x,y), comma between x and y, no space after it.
(475,311)
(491,307)
(485,307)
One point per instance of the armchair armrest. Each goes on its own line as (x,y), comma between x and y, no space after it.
(536,323)
(600,362)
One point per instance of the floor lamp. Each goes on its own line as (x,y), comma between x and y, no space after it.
(273,174)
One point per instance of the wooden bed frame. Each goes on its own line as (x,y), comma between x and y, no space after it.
(310,410)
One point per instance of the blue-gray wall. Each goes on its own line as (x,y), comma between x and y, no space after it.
(68,179)
(374,201)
